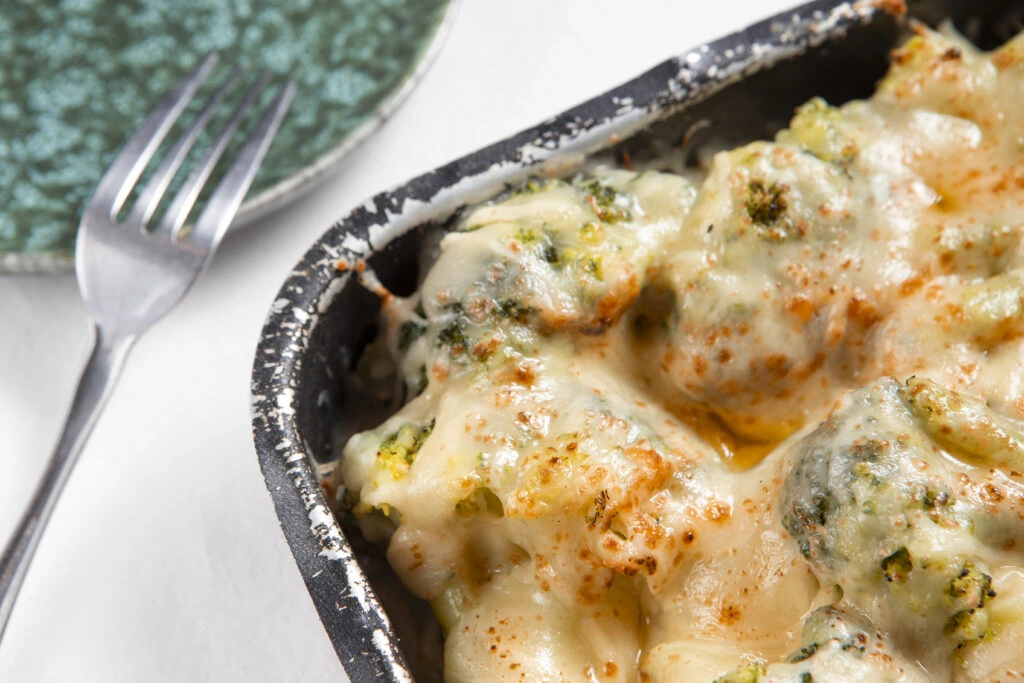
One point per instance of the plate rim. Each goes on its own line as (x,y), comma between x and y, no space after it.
(298,182)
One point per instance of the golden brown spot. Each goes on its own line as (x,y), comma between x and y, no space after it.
(479,307)
(955,312)
(776,364)
(862,311)
(1004,59)
(729,614)
(899,56)
(585,594)
(992,494)
(911,285)
(525,374)
(717,511)
(800,306)
(700,365)
(485,347)
(440,371)
(1001,186)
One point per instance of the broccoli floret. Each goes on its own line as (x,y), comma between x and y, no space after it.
(527,235)
(749,673)
(530,186)
(453,336)
(835,646)
(817,128)
(549,252)
(482,500)
(551,262)
(461,337)
(398,450)
(422,381)
(827,627)
(872,502)
(608,204)
(897,566)
(512,309)
(967,625)
(533,185)
(766,202)
(408,333)
(973,586)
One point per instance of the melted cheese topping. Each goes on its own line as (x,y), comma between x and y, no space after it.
(758,425)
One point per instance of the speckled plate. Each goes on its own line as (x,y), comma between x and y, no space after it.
(76,76)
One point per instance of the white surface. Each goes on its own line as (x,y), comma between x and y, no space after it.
(151,572)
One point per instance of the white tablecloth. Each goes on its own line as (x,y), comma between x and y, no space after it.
(164,560)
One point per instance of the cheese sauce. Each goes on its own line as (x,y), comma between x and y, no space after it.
(763,424)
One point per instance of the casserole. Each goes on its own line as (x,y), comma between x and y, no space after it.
(745,85)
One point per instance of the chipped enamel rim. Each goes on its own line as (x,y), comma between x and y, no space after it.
(300,181)
(355,622)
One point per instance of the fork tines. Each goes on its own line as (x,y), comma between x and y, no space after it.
(120,179)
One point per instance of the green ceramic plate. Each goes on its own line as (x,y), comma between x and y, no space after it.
(77,76)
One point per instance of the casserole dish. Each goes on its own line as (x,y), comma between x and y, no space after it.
(740,88)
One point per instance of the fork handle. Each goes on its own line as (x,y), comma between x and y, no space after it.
(106,358)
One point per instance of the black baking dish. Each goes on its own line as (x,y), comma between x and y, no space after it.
(745,85)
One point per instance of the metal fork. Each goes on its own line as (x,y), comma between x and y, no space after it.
(131,273)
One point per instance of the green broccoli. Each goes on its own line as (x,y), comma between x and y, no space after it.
(878,509)
(748,673)
(834,646)
(608,204)
(398,450)
(766,202)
